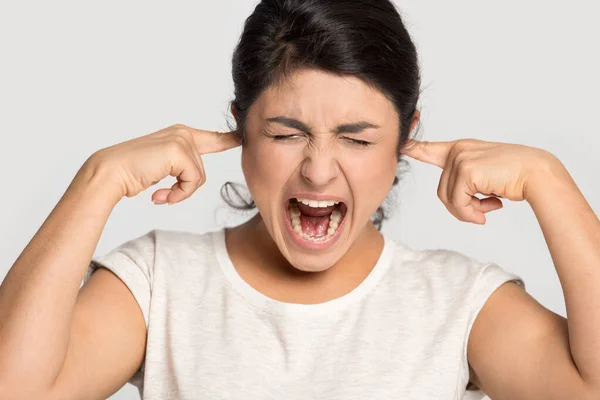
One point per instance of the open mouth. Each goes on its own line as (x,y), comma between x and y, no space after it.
(316,221)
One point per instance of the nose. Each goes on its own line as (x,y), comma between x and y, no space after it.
(320,167)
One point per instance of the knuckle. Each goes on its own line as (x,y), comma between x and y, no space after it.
(460,156)
(174,148)
(462,145)
(454,197)
(184,133)
(455,155)
(179,130)
(146,182)
(180,140)
(457,214)
(465,167)
(178,127)
(441,195)
(466,142)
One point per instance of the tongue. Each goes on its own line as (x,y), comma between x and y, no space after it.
(315,211)
(315,221)
(314,226)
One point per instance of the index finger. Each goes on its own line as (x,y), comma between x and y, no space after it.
(435,153)
(214,142)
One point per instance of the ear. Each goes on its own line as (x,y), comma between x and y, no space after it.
(233,111)
(415,120)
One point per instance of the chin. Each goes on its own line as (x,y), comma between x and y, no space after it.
(305,263)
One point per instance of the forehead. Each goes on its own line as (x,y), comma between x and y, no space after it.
(324,99)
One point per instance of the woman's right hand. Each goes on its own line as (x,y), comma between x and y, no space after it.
(142,162)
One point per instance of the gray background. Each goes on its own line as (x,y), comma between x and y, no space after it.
(78,77)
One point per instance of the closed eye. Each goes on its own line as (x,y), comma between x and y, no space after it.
(295,136)
(358,142)
(286,137)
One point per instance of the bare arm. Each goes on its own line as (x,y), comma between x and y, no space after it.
(521,350)
(57,342)
(40,292)
(107,343)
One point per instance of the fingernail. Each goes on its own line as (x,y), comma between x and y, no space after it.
(158,202)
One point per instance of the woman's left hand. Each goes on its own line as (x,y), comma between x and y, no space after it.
(499,170)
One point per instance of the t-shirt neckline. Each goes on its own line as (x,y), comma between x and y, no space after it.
(277,307)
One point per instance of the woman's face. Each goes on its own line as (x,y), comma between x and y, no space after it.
(302,148)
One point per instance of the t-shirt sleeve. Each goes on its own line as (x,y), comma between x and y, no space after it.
(491,277)
(133,263)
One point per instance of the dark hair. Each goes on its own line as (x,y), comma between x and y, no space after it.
(363,38)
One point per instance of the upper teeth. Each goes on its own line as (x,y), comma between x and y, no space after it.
(318,203)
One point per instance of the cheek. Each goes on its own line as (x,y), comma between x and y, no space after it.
(267,168)
(370,178)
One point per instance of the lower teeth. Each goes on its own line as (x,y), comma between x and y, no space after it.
(334,220)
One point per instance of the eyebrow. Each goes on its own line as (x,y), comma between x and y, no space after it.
(355,127)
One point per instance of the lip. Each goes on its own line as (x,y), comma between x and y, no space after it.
(305,244)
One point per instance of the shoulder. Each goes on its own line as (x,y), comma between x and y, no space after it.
(181,240)
(164,240)
(449,272)
(442,263)
(180,250)
(159,246)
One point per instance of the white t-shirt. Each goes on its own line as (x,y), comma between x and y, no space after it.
(401,334)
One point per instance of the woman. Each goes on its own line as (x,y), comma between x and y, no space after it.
(306,299)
